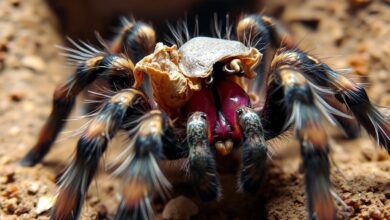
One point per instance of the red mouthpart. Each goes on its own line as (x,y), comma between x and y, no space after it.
(220,102)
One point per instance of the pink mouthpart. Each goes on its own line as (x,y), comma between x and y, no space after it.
(221,113)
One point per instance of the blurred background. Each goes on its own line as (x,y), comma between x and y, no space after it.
(80,19)
(343,33)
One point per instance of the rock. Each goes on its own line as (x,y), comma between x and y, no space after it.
(33,188)
(8,176)
(94,200)
(14,130)
(34,62)
(376,214)
(11,191)
(17,96)
(44,204)
(102,212)
(10,205)
(21,210)
(359,63)
(180,208)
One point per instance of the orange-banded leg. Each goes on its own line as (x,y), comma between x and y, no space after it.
(254,150)
(90,68)
(263,33)
(314,151)
(78,175)
(136,39)
(314,72)
(142,175)
(304,109)
(356,99)
(343,91)
(201,163)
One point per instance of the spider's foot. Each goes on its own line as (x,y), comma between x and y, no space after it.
(143,210)
(31,158)
(375,123)
(143,177)
(314,150)
(204,175)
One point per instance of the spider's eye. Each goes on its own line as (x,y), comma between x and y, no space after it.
(239,111)
(209,80)
(234,67)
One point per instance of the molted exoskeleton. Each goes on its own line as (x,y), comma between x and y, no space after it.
(177,73)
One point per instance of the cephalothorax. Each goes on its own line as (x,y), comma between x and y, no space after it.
(199,98)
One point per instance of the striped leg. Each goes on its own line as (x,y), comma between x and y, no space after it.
(355,98)
(142,175)
(136,39)
(314,151)
(300,90)
(94,65)
(342,91)
(301,106)
(75,181)
(263,33)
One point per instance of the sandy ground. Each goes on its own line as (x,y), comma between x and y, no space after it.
(344,33)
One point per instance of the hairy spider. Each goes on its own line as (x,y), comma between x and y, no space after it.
(198,98)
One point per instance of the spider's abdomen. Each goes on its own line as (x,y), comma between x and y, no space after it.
(220,102)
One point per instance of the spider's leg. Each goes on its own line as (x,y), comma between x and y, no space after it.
(254,149)
(136,39)
(142,175)
(302,108)
(263,33)
(78,175)
(314,150)
(355,98)
(342,90)
(100,65)
(348,124)
(202,166)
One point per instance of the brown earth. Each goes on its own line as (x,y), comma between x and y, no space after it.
(352,33)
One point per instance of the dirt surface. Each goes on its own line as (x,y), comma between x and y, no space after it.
(352,33)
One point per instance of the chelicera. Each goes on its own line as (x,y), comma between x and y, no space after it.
(200,99)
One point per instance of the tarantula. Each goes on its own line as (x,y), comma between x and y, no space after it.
(200,98)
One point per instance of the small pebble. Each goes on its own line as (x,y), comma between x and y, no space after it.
(359,63)
(17,96)
(102,212)
(10,192)
(14,130)
(21,210)
(34,62)
(10,205)
(376,214)
(5,160)
(44,204)
(8,177)
(33,188)
(180,208)
(94,200)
